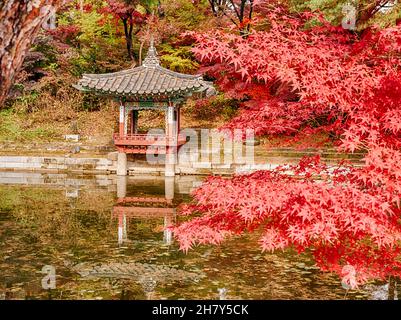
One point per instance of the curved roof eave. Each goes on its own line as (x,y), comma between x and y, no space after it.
(150,79)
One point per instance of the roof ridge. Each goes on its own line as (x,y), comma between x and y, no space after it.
(113,74)
(152,59)
(180,75)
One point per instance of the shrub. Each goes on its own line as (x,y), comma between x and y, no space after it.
(212,108)
(178,59)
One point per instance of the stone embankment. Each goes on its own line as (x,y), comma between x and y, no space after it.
(90,159)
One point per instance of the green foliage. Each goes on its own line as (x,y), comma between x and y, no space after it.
(332,9)
(147,6)
(90,102)
(12,130)
(213,108)
(85,62)
(43,53)
(8,128)
(98,40)
(178,59)
(28,99)
(52,66)
(183,14)
(94,25)
(91,22)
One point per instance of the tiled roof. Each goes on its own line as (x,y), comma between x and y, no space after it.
(148,80)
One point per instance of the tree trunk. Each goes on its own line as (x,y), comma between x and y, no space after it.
(248,27)
(140,52)
(128,39)
(213,7)
(20,21)
(391,288)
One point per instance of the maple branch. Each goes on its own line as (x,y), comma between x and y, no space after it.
(212,5)
(236,10)
(250,15)
(344,85)
(242,10)
(371,10)
(222,9)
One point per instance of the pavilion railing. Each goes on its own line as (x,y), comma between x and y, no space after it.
(148,139)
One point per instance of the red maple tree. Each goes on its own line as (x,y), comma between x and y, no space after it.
(126,12)
(297,80)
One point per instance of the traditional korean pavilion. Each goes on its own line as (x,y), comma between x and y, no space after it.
(145,207)
(149,86)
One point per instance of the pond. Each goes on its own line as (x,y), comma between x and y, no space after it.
(103,237)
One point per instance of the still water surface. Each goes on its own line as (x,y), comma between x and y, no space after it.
(104,237)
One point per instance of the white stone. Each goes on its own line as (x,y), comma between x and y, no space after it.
(202,165)
(72,137)
(221,166)
(72,193)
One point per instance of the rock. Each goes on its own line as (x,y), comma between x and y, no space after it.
(252,142)
(75,150)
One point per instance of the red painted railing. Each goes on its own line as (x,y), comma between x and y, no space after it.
(147,140)
(143,212)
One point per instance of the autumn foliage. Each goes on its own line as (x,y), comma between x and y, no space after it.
(293,79)
(131,18)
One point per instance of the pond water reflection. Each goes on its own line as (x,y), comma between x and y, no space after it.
(106,239)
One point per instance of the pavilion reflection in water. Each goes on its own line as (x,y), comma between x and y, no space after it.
(148,206)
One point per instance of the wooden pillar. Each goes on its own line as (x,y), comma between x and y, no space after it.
(178,120)
(122,187)
(122,157)
(169,184)
(122,228)
(169,189)
(122,219)
(122,120)
(170,121)
(168,234)
(134,122)
(126,117)
(171,141)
